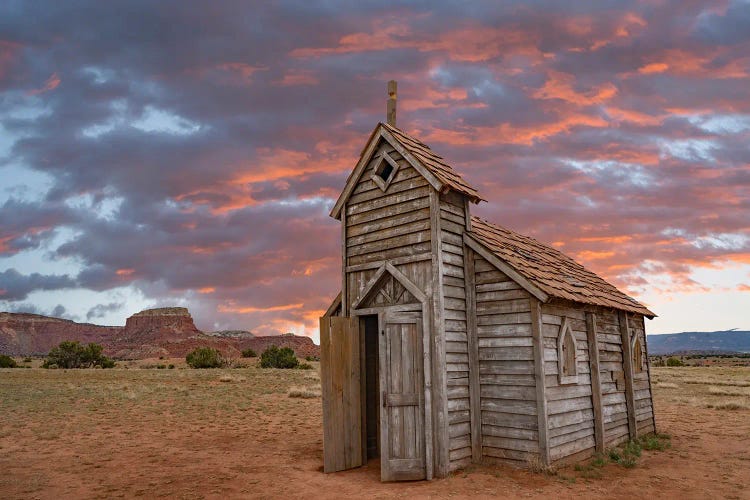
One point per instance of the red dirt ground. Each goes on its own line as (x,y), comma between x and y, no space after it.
(272,447)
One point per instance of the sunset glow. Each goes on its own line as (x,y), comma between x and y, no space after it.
(196,165)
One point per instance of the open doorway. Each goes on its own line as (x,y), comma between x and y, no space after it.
(371,414)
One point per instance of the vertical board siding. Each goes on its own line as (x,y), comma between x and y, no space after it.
(452,219)
(570,407)
(506,366)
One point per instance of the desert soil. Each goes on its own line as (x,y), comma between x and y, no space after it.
(236,433)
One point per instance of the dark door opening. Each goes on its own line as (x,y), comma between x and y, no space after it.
(372,387)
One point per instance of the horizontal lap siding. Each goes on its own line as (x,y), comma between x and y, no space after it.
(452,222)
(386,225)
(569,406)
(644,411)
(614,404)
(506,366)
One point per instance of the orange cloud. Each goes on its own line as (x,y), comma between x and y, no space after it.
(51,84)
(298,77)
(125,272)
(207,289)
(560,86)
(250,309)
(653,68)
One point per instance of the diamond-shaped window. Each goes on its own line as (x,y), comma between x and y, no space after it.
(385,170)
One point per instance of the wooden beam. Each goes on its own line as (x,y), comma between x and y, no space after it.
(467,213)
(648,371)
(344,292)
(473,348)
(407,259)
(596,385)
(429,177)
(627,366)
(427,358)
(541,393)
(334,305)
(391,110)
(439,375)
(506,268)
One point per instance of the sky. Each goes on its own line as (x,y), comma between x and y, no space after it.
(184,153)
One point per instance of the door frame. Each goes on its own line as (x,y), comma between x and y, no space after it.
(423,299)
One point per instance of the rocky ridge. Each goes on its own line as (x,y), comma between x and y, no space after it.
(168,332)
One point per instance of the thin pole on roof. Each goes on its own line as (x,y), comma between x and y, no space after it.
(391,111)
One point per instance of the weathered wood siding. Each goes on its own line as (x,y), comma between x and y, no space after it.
(614,405)
(506,366)
(644,411)
(569,406)
(388,225)
(452,224)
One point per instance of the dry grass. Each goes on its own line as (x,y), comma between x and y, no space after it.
(716,387)
(304,392)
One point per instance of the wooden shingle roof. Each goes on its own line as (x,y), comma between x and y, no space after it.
(550,270)
(434,163)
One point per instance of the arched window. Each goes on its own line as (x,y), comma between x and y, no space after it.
(567,367)
(637,355)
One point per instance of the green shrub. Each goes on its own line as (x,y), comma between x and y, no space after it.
(312,358)
(249,353)
(205,357)
(71,354)
(7,362)
(273,357)
(675,362)
(305,366)
(171,366)
(27,359)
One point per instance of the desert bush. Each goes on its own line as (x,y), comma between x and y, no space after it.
(675,362)
(27,359)
(275,357)
(71,354)
(205,357)
(305,366)
(7,362)
(249,353)
(312,358)
(171,366)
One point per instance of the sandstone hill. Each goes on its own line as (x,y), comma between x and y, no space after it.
(168,332)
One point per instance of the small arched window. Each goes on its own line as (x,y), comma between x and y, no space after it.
(637,355)
(567,366)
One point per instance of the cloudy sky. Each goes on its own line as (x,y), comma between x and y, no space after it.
(188,153)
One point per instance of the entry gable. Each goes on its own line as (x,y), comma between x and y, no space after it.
(389,287)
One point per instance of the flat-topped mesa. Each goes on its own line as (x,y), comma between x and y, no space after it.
(164,319)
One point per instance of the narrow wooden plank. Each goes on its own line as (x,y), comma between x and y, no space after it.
(627,364)
(440,399)
(345,299)
(596,388)
(473,347)
(541,397)
(648,374)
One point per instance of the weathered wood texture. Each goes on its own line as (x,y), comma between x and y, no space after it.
(340,383)
(596,386)
(458,368)
(644,411)
(627,365)
(390,226)
(570,407)
(506,366)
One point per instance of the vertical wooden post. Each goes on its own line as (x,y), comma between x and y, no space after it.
(648,372)
(439,386)
(541,393)
(627,366)
(391,111)
(596,385)
(473,349)
(344,292)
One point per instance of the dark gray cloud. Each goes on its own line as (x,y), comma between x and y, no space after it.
(208,143)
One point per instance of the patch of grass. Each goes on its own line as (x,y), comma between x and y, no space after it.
(731,406)
(535,465)
(304,392)
(658,442)
(627,455)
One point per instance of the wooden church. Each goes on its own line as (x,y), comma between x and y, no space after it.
(455,340)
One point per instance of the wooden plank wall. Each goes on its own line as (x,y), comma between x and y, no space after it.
(644,411)
(506,367)
(384,226)
(452,226)
(614,405)
(569,407)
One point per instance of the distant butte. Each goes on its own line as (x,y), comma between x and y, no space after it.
(167,331)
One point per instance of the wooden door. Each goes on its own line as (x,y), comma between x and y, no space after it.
(340,383)
(402,436)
